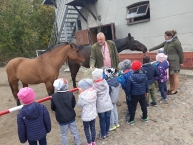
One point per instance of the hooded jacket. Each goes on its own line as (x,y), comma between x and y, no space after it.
(63,104)
(174,51)
(87,100)
(137,83)
(151,72)
(114,89)
(162,68)
(103,103)
(33,122)
(124,77)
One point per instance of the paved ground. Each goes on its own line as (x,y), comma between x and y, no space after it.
(169,124)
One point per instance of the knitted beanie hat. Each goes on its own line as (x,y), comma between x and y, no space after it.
(136,65)
(97,74)
(26,95)
(61,84)
(85,83)
(160,57)
(126,64)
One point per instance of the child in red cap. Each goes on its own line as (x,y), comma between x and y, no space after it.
(137,87)
(33,120)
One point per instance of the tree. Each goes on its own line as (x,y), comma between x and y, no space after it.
(24,27)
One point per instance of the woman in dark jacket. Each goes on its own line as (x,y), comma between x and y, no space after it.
(172,48)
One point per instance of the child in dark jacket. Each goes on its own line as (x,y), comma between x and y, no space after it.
(163,77)
(114,89)
(151,73)
(137,87)
(125,66)
(33,120)
(63,103)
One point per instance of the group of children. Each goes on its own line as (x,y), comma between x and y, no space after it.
(97,96)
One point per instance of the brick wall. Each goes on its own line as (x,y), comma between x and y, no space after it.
(188,58)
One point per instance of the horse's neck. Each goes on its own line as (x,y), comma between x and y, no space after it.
(121,44)
(56,57)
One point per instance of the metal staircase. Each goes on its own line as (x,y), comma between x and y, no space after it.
(69,25)
(65,23)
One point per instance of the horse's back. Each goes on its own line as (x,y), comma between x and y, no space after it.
(15,62)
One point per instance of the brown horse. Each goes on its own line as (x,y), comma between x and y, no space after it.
(42,69)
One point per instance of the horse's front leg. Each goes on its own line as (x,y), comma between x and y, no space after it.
(50,88)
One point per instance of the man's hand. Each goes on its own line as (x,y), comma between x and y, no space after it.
(182,65)
(91,67)
(146,94)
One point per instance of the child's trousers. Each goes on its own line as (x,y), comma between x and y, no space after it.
(91,125)
(151,92)
(114,116)
(163,89)
(41,142)
(142,102)
(74,132)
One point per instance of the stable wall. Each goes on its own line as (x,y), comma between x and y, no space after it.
(164,15)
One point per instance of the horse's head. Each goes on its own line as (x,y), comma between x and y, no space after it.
(75,55)
(133,44)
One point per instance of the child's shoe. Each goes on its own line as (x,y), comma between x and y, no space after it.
(102,138)
(130,122)
(117,125)
(113,128)
(107,135)
(127,117)
(147,105)
(144,120)
(153,104)
(94,143)
(164,101)
(88,144)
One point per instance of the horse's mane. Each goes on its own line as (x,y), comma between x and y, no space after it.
(55,46)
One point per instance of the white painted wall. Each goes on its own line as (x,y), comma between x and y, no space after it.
(164,15)
(60,11)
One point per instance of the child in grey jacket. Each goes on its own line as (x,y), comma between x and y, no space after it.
(103,104)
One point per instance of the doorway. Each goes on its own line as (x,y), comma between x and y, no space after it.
(108,30)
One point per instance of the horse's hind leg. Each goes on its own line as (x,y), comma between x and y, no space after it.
(15,90)
(74,68)
(24,85)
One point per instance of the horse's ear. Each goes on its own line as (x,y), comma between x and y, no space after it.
(71,45)
(129,36)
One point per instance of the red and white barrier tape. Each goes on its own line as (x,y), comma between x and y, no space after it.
(39,101)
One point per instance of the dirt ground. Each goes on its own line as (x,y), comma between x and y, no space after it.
(169,124)
(8,126)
